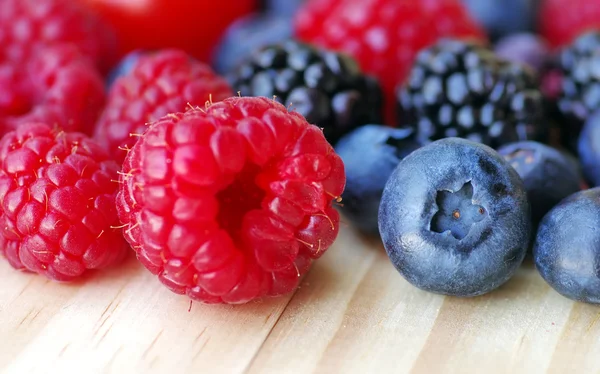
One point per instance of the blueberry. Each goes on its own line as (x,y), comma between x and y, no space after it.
(588,148)
(248,34)
(124,66)
(503,17)
(523,48)
(454,218)
(548,174)
(370,154)
(285,8)
(567,247)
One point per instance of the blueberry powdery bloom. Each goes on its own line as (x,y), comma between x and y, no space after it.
(370,154)
(567,247)
(548,174)
(455,218)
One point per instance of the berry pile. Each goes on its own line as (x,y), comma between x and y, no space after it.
(384,35)
(460,132)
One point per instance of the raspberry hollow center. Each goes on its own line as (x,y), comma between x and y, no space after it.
(223,212)
(239,198)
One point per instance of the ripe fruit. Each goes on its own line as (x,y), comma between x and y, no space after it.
(194,26)
(55,85)
(548,174)
(524,48)
(57,196)
(325,87)
(561,21)
(159,83)
(566,250)
(504,17)
(231,203)
(589,149)
(246,35)
(580,84)
(384,46)
(370,154)
(460,89)
(454,218)
(124,66)
(26,25)
(283,8)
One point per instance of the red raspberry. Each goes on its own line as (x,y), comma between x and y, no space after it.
(561,21)
(231,203)
(384,35)
(158,84)
(26,25)
(57,200)
(56,85)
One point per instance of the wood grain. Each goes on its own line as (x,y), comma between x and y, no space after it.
(353,313)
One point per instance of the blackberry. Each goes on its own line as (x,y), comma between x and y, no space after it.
(461,89)
(579,95)
(326,87)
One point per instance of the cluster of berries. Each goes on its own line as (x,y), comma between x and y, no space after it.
(443,125)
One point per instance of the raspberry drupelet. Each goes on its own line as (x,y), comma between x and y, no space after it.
(159,83)
(231,203)
(57,195)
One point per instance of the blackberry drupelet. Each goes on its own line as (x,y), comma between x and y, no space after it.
(326,87)
(462,89)
(579,64)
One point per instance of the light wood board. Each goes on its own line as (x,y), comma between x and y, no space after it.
(353,313)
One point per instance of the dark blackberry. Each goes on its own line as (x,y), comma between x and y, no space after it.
(326,87)
(580,85)
(461,89)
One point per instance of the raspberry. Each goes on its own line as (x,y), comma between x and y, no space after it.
(561,21)
(159,83)
(57,200)
(56,85)
(384,35)
(26,25)
(231,203)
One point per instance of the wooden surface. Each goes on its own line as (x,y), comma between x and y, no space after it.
(352,314)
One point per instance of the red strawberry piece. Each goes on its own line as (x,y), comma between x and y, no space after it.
(57,195)
(233,202)
(159,83)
